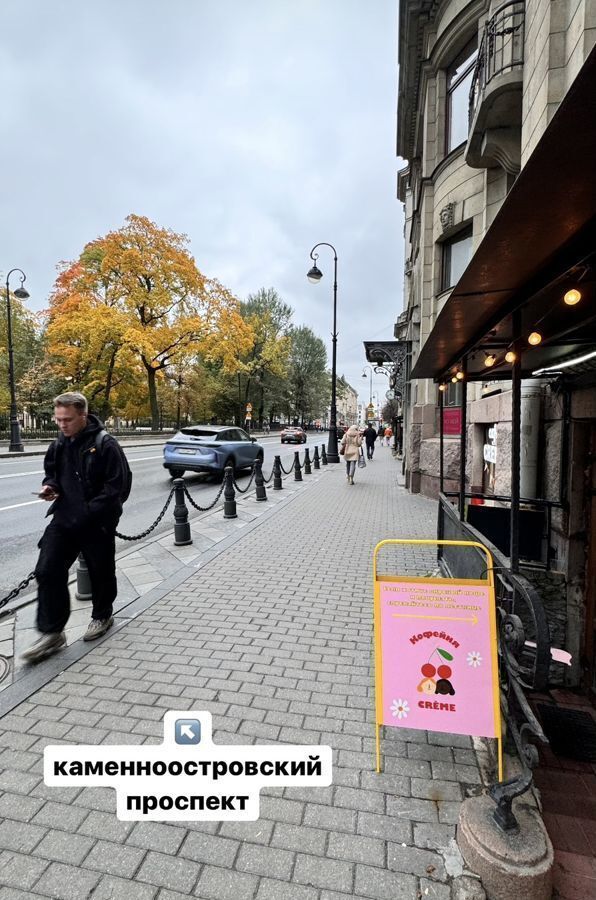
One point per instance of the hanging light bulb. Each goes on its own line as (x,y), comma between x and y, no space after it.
(454,380)
(442,387)
(510,356)
(459,375)
(572,297)
(490,359)
(534,338)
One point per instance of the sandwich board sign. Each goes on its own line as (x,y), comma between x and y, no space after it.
(436,663)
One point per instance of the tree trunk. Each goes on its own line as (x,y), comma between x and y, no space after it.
(152,389)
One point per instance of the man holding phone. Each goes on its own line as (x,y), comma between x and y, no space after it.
(86,487)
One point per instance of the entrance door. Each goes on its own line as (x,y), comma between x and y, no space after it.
(590,587)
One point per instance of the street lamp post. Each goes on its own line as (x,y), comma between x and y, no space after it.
(314,276)
(16,445)
(371,377)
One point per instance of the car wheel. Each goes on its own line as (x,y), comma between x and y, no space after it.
(175,472)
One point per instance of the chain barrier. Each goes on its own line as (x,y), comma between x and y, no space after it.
(211,505)
(137,537)
(267,480)
(289,471)
(244,490)
(16,591)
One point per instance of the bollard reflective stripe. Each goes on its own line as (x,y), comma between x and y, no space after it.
(307,469)
(297,468)
(261,493)
(84,588)
(277,482)
(230,495)
(182,535)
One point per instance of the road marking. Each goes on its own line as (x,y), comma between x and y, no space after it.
(16,505)
(472,619)
(41,472)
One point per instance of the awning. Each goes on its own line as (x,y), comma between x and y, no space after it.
(542,239)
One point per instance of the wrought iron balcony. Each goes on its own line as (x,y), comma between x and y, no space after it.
(495,93)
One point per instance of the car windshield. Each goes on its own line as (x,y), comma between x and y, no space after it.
(196,431)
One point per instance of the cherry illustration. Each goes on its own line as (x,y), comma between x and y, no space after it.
(444,672)
(428,670)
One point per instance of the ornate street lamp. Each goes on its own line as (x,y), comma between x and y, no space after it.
(371,377)
(314,276)
(16,445)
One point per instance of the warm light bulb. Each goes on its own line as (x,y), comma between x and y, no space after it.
(510,356)
(572,297)
(459,375)
(534,338)
(454,380)
(490,360)
(442,387)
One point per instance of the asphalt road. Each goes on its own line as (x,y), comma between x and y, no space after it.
(22,514)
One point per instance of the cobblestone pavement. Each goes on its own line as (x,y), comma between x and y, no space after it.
(272,635)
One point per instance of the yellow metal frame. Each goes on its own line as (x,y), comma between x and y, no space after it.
(489,581)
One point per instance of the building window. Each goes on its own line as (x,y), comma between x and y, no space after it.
(459,81)
(457,253)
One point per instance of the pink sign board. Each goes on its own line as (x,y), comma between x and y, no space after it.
(452,420)
(437,651)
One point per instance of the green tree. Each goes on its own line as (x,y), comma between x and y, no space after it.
(308,383)
(26,345)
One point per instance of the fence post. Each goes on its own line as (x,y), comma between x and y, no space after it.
(307,468)
(297,470)
(277,482)
(324,455)
(230,495)
(261,493)
(182,535)
(84,590)
(315,460)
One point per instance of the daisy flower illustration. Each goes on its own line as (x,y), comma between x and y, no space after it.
(474,659)
(400,709)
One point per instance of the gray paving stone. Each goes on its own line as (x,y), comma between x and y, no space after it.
(63,882)
(436,789)
(299,838)
(110,888)
(18,782)
(63,847)
(61,816)
(114,859)
(20,871)
(414,861)
(169,872)
(357,848)
(276,890)
(258,832)
(330,817)
(15,806)
(433,837)
(20,836)
(156,836)
(275,808)
(353,798)
(381,885)
(319,872)
(207,848)
(105,826)
(266,861)
(221,884)
(413,809)
(434,890)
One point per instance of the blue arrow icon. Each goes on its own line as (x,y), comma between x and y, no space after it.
(187,731)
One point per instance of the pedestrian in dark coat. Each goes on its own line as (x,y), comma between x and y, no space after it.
(86,485)
(370,436)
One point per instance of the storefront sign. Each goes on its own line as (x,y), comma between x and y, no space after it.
(436,652)
(452,420)
(490,453)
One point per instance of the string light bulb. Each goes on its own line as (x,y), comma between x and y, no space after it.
(535,338)
(572,297)
(459,375)
(442,387)
(489,360)
(510,356)
(454,380)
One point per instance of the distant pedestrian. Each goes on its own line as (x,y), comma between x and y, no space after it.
(350,450)
(370,436)
(88,479)
(381,433)
(388,435)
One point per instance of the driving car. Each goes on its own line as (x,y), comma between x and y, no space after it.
(293,435)
(210,448)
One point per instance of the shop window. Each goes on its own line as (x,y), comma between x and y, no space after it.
(459,82)
(457,253)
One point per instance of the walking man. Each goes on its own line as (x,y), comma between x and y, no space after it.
(370,436)
(86,480)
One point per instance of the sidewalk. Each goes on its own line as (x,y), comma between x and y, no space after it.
(272,635)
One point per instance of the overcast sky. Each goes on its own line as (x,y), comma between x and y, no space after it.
(257,128)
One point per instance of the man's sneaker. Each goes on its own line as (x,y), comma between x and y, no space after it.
(97,627)
(45,646)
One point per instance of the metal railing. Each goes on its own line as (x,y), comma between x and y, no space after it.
(524,647)
(501,48)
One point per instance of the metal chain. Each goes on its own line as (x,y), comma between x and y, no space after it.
(211,505)
(267,480)
(16,591)
(247,488)
(289,471)
(137,537)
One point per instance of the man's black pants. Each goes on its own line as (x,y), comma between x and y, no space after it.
(59,547)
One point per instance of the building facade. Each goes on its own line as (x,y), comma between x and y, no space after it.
(496,121)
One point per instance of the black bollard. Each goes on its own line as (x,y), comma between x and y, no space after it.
(315,460)
(324,455)
(261,493)
(307,468)
(182,535)
(84,589)
(230,495)
(297,469)
(277,482)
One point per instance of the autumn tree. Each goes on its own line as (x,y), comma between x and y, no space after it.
(142,295)
(308,384)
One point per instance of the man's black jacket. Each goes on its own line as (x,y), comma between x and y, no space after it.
(89,482)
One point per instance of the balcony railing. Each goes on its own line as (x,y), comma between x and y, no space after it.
(501,48)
